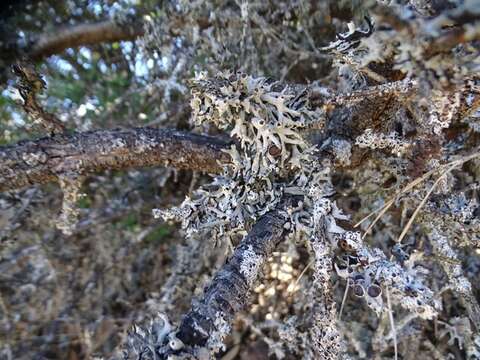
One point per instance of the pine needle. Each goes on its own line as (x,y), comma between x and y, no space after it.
(452,166)
(382,210)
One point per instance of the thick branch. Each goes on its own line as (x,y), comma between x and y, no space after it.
(84,34)
(229,290)
(44,160)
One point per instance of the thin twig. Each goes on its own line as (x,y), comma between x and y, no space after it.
(344,299)
(392,323)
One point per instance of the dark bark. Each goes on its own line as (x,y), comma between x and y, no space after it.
(44,160)
(229,290)
(30,83)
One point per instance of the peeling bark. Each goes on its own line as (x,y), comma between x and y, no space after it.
(44,160)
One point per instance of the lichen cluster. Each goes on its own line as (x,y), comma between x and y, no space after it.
(265,118)
(272,161)
(369,271)
(262,115)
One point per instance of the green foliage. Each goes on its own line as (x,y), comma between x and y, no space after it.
(130,222)
(66,87)
(84,202)
(159,234)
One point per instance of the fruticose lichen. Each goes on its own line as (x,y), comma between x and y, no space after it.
(273,159)
(265,118)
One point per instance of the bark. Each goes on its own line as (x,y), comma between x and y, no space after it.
(208,320)
(44,160)
(41,161)
(90,34)
(30,83)
(84,34)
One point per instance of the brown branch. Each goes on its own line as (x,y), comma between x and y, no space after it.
(84,34)
(30,84)
(451,38)
(402,90)
(44,160)
(90,34)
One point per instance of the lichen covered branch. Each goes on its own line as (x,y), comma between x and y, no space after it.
(208,321)
(44,160)
(29,86)
(205,326)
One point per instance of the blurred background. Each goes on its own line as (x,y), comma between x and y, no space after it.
(75,297)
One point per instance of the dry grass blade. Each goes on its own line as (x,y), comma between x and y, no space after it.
(389,203)
(422,203)
(382,210)
(392,324)
(303,273)
(453,165)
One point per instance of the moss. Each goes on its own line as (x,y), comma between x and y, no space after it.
(130,222)
(159,234)
(84,202)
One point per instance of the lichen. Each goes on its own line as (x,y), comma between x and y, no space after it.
(68,218)
(265,117)
(222,329)
(250,265)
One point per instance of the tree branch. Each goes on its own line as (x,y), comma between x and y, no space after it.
(44,160)
(84,34)
(30,83)
(209,320)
